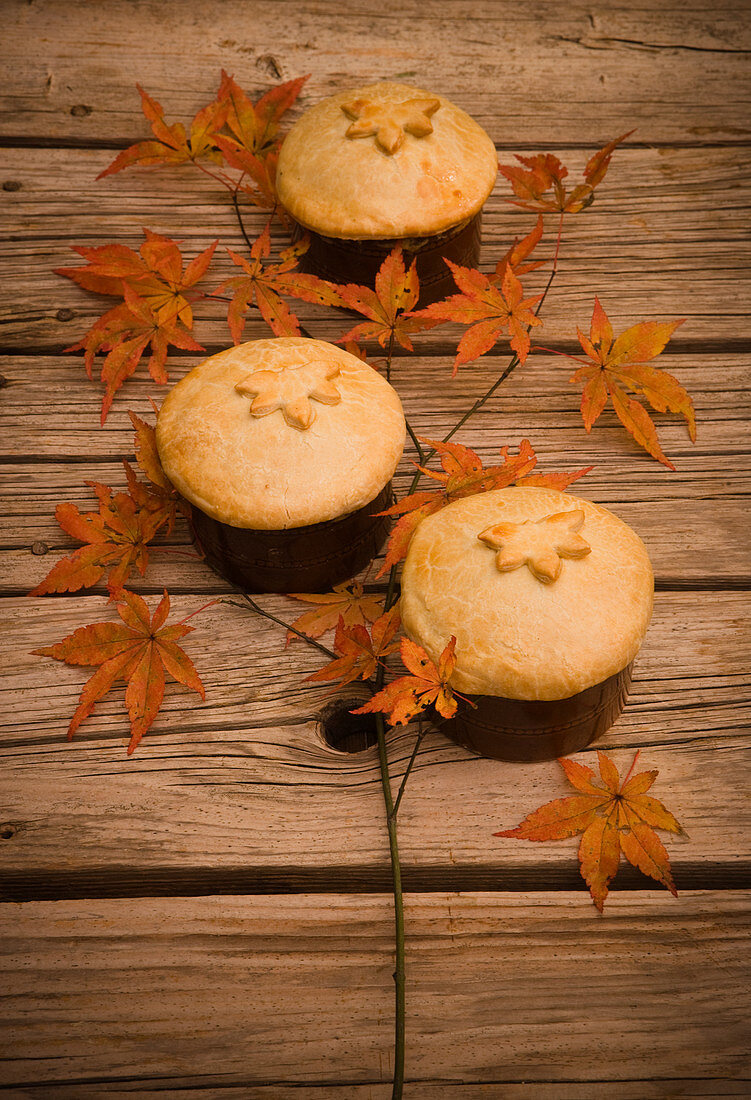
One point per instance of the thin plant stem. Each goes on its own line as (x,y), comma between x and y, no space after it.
(396,876)
(513,364)
(280,622)
(416,442)
(405,777)
(240,222)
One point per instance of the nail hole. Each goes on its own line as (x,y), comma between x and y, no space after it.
(81,110)
(65,315)
(40,548)
(344,731)
(11,185)
(7,831)
(3,381)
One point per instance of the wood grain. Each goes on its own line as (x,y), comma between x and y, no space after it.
(279,991)
(243,793)
(665,238)
(524,73)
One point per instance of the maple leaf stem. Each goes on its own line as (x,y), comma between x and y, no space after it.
(198,611)
(405,777)
(217,176)
(396,876)
(562,354)
(267,615)
(557,245)
(633,765)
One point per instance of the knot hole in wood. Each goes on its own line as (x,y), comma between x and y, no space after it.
(344,731)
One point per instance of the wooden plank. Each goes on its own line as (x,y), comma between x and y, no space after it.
(690,542)
(243,793)
(502,988)
(525,73)
(223,1089)
(536,401)
(666,238)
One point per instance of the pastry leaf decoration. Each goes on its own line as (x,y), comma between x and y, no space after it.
(389,123)
(539,544)
(464,475)
(292,391)
(613,817)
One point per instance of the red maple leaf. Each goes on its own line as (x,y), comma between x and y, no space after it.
(489,308)
(407,696)
(155,311)
(613,817)
(138,651)
(156,274)
(251,146)
(160,488)
(544,173)
(621,363)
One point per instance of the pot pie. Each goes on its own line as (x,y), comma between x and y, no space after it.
(285,448)
(549,597)
(386,165)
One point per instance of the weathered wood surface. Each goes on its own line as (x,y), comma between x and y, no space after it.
(203,917)
(679,72)
(243,792)
(666,238)
(276,991)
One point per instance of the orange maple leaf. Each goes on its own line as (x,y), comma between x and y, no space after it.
(264,285)
(396,292)
(115,538)
(251,146)
(490,308)
(171,144)
(407,696)
(160,487)
(619,364)
(137,651)
(123,334)
(464,475)
(155,311)
(347,602)
(613,817)
(155,273)
(518,252)
(360,652)
(544,172)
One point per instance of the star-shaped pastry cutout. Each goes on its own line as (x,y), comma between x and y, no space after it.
(539,544)
(389,122)
(292,390)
